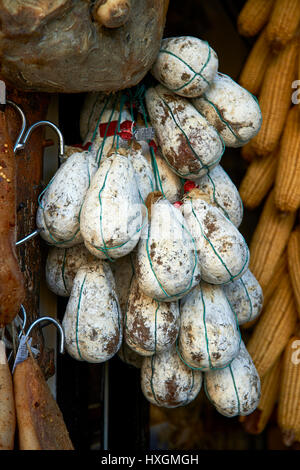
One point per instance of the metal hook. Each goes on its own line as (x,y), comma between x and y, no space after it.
(23,121)
(28,237)
(20,145)
(22,327)
(24,319)
(56,323)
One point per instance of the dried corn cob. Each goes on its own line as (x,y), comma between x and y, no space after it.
(275,98)
(256,422)
(274,329)
(280,268)
(258,180)
(287,187)
(293,253)
(269,240)
(283,23)
(247,152)
(254,16)
(256,65)
(289,397)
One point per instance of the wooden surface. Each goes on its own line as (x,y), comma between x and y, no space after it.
(29,186)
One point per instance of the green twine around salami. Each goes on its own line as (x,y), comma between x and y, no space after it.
(232,278)
(55,241)
(214,197)
(249,299)
(158,182)
(78,314)
(235,390)
(101,147)
(229,127)
(132,102)
(99,120)
(196,74)
(223,120)
(77,317)
(63,270)
(126,308)
(203,165)
(153,357)
(106,249)
(69,240)
(180,294)
(211,367)
(236,318)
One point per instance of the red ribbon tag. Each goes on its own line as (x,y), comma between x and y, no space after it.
(188,186)
(153,145)
(177,204)
(126,130)
(110,129)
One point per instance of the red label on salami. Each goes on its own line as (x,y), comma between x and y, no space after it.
(188,186)
(153,145)
(109,129)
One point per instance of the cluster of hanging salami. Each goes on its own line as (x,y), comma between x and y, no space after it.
(143,223)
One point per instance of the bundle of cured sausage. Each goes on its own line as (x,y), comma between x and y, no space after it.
(143,223)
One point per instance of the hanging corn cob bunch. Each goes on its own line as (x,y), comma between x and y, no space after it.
(272,179)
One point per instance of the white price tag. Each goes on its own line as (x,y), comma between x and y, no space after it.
(144,133)
(22,352)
